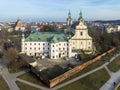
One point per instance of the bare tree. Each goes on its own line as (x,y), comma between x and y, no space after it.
(11,56)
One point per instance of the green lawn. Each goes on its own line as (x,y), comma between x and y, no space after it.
(84,57)
(115,65)
(118,88)
(15,70)
(31,78)
(23,86)
(91,82)
(87,69)
(3,84)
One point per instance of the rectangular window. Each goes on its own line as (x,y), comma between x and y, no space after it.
(43,43)
(81,33)
(39,43)
(26,48)
(25,43)
(30,48)
(30,43)
(39,48)
(89,43)
(53,45)
(53,57)
(34,43)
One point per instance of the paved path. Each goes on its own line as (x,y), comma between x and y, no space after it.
(115,77)
(11,78)
(75,79)
(34,85)
(88,73)
(8,77)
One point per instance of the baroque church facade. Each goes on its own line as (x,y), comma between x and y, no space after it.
(57,45)
(81,39)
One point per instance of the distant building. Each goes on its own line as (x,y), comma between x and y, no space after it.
(56,45)
(20,25)
(112,29)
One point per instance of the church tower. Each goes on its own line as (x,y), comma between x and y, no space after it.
(69,19)
(80,16)
(81,39)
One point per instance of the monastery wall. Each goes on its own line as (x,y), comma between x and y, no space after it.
(77,69)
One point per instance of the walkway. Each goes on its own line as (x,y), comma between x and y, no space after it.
(88,73)
(8,77)
(115,77)
(11,78)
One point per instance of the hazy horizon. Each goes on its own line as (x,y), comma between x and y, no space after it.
(56,10)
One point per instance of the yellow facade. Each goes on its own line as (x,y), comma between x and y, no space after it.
(81,39)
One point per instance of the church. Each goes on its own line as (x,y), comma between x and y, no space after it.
(80,40)
(56,45)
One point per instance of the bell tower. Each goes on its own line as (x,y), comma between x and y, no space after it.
(69,19)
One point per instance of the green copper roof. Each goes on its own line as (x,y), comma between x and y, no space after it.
(69,15)
(80,16)
(52,37)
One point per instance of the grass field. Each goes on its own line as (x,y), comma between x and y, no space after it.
(118,88)
(115,65)
(91,82)
(3,84)
(23,86)
(87,69)
(31,78)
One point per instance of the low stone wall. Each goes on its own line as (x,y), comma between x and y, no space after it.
(77,69)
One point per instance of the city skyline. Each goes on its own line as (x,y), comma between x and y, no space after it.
(56,10)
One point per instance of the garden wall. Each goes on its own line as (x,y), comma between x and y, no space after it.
(77,69)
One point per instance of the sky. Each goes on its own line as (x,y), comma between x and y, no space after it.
(57,10)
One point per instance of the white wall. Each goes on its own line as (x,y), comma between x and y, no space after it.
(37,48)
